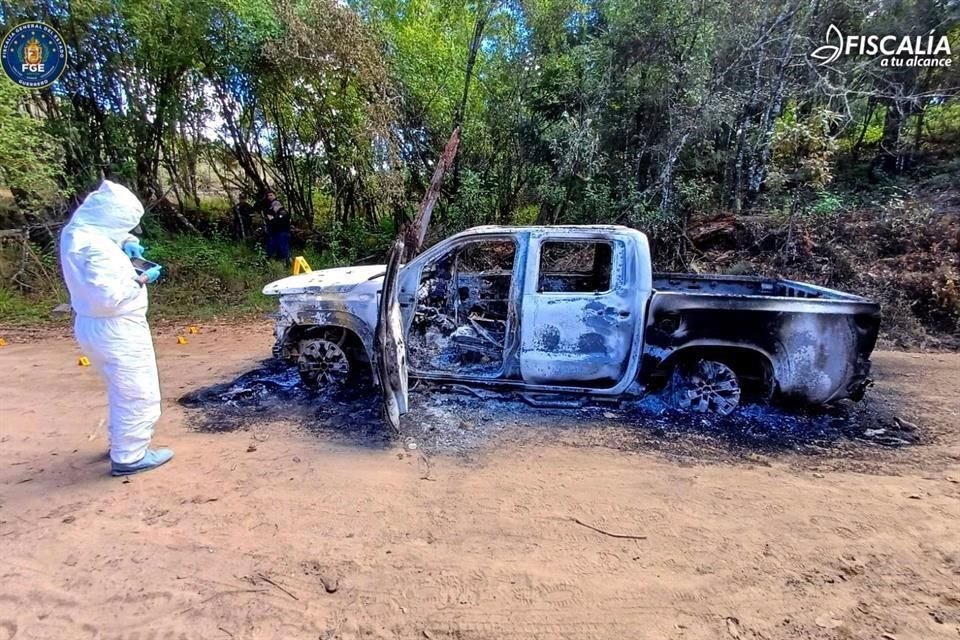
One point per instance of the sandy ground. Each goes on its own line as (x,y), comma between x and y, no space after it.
(274,530)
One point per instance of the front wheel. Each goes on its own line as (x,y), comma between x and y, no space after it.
(323,363)
(704,386)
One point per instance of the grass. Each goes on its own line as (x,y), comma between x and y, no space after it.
(19,309)
(207,277)
(202,278)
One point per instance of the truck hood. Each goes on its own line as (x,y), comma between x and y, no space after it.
(340,280)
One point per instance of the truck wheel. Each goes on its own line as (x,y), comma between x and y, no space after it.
(323,363)
(705,386)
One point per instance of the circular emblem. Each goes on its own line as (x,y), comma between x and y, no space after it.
(33,55)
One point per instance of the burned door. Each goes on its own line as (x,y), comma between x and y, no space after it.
(390,348)
(461,309)
(578,317)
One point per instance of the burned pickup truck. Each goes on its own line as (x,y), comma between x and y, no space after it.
(576,310)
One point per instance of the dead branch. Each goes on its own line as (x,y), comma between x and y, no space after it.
(607,533)
(269,581)
(217,595)
(416,232)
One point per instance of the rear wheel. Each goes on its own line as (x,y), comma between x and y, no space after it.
(323,362)
(705,386)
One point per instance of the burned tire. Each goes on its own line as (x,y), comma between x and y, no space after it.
(704,386)
(323,363)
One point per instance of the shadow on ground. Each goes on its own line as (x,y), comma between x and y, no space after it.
(445,419)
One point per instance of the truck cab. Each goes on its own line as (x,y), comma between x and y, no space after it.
(551,308)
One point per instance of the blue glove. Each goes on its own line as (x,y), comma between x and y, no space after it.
(152,274)
(133,249)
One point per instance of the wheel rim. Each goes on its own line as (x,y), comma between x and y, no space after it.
(323,362)
(707,387)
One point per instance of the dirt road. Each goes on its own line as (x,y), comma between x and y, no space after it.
(270,528)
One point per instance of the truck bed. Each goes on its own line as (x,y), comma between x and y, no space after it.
(814,342)
(744,286)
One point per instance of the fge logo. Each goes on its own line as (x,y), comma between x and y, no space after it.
(33,55)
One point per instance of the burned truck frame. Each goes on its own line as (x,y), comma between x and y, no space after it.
(578,310)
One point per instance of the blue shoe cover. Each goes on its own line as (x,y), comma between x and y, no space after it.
(152,459)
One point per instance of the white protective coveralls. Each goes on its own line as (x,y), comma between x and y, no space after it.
(111,314)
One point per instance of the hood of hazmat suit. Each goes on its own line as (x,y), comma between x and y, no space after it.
(99,275)
(110,305)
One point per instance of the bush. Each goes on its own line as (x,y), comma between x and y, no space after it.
(18,308)
(207,275)
(826,204)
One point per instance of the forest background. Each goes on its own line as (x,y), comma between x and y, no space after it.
(710,126)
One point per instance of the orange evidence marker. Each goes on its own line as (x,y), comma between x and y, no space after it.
(181,340)
(84,361)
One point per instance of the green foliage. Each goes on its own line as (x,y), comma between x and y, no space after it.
(868,130)
(826,204)
(213,210)
(472,204)
(17,308)
(639,112)
(197,270)
(218,277)
(941,122)
(426,42)
(803,152)
(697,194)
(525,215)
(30,157)
(324,103)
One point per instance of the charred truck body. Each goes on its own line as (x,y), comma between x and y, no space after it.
(578,310)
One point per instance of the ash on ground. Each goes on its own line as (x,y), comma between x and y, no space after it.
(455,419)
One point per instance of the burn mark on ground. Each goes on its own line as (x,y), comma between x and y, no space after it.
(273,392)
(454,419)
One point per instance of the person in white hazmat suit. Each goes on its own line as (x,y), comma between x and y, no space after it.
(109,299)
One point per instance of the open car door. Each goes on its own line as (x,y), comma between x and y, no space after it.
(390,350)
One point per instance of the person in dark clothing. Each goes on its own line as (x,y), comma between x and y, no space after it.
(278,228)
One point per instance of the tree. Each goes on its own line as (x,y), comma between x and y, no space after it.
(30,157)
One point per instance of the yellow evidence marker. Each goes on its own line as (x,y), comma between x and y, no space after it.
(3,342)
(181,340)
(84,361)
(194,330)
(300,264)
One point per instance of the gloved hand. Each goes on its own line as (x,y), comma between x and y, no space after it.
(152,274)
(133,249)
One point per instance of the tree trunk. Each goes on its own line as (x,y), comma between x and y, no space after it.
(667,192)
(890,156)
(871,109)
(917,135)
(483,14)
(416,233)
